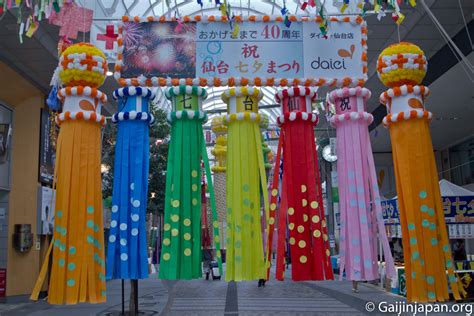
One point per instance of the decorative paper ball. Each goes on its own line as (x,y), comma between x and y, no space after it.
(402,63)
(217,125)
(82,64)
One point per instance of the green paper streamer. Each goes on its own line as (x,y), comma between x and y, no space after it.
(181,254)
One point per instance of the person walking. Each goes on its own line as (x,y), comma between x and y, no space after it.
(206,261)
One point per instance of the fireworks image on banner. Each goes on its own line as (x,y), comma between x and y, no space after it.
(159,49)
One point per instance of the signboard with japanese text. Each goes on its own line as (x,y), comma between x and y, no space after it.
(458,214)
(257,51)
(47,157)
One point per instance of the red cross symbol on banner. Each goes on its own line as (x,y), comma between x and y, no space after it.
(109,37)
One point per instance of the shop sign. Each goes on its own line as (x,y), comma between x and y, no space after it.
(3,282)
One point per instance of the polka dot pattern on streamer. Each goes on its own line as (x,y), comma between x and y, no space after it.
(71,282)
(113,224)
(135,217)
(132,186)
(422,194)
(303,188)
(114,209)
(291,211)
(112,238)
(134,232)
(123,226)
(274,192)
(124,257)
(123,242)
(136,203)
(303,259)
(166,256)
(71,266)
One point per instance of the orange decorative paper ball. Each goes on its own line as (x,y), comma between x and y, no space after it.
(402,63)
(82,64)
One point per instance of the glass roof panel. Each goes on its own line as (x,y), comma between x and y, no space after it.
(107,9)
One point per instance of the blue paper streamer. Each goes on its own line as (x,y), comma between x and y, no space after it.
(127,256)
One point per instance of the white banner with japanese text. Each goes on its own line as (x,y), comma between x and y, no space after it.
(159,53)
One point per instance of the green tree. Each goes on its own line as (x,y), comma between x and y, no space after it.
(159,134)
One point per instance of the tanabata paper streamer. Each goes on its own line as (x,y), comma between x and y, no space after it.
(266,150)
(72,19)
(181,247)
(127,256)
(220,152)
(246,180)
(359,197)
(78,267)
(425,241)
(301,210)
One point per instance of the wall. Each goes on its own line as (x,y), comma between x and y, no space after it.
(26,101)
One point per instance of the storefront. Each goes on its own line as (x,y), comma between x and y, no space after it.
(20,104)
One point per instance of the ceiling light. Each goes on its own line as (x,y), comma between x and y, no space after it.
(109,73)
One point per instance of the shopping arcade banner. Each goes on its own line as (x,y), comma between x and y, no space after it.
(259,51)
(453,206)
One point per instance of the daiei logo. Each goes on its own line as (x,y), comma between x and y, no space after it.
(328,64)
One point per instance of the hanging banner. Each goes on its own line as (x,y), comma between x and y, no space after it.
(259,51)
(104,36)
(47,157)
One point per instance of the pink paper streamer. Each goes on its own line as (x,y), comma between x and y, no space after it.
(361,211)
